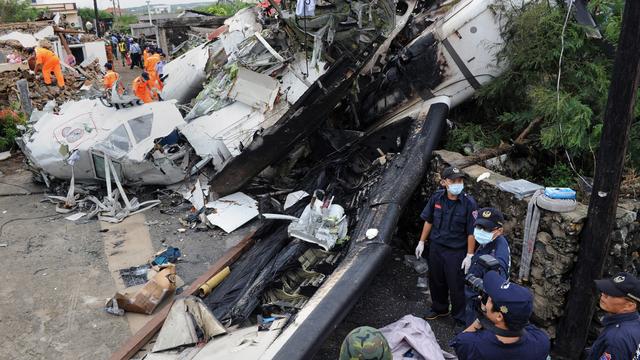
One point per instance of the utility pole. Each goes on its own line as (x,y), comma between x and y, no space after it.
(595,240)
(149,11)
(95,12)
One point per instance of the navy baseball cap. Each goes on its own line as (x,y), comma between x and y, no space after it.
(515,302)
(622,285)
(489,218)
(452,172)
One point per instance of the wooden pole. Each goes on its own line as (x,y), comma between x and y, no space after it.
(595,237)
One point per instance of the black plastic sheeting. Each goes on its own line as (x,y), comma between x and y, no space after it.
(274,252)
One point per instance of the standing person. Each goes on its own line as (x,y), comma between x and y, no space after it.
(110,78)
(122,48)
(502,329)
(142,88)
(448,227)
(49,63)
(620,338)
(114,45)
(150,67)
(135,54)
(488,232)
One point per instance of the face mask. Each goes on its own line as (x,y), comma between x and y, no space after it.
(455,189)
(482,237)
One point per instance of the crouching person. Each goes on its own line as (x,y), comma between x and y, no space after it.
(501,329)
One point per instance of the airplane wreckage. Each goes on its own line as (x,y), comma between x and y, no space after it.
(345,104)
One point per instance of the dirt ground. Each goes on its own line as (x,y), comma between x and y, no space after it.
(392,294)
(58,273)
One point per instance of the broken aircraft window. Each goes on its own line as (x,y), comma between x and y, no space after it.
(141,127)
(98,167)
(120,139)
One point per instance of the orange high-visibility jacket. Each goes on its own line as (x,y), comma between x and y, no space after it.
(50,64)
(110,78)
(142,89)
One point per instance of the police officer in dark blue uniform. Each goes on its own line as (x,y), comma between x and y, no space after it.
(448,227)
(620,338)
(502,329)
(488,233)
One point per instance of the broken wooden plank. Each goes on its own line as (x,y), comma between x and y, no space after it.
(135,343)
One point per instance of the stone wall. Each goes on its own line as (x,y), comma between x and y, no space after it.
(557,241)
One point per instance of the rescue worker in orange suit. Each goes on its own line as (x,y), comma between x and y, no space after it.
(150,67)
(145,55)
(110,78)
(49,63)
(142,88)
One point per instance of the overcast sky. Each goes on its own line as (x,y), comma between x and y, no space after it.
(103,4)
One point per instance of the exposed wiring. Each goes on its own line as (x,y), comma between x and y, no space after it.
(564,147)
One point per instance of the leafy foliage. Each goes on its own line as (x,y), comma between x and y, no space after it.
(17,11)
(88,14)
(573,116)
(122,23)
(225,9)
(9,120)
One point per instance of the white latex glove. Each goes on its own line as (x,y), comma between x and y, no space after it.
(419,249)
(466,263)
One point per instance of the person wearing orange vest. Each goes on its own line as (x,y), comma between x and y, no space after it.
(145,55)
(49,62)
(110,78)
(150,68)
(142,88)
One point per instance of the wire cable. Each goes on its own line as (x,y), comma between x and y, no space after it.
(566,153)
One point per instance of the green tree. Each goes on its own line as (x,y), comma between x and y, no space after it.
(17,11)
(573,112)
(88,14)
(122,23)
(225,9)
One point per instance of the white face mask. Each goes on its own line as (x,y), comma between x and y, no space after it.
(455,189)
(482,237)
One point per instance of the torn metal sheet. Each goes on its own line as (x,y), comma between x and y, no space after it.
(189,322)
(232,211)
(196,196)
(186,75)
(127,136)
(254,89)
(242,344)
(294,197)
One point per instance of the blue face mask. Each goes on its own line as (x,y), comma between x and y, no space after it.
(482,237)
(455,189)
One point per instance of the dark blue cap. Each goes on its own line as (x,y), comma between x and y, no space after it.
(515,302)
(452,172)
(489,218)
(622,285)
